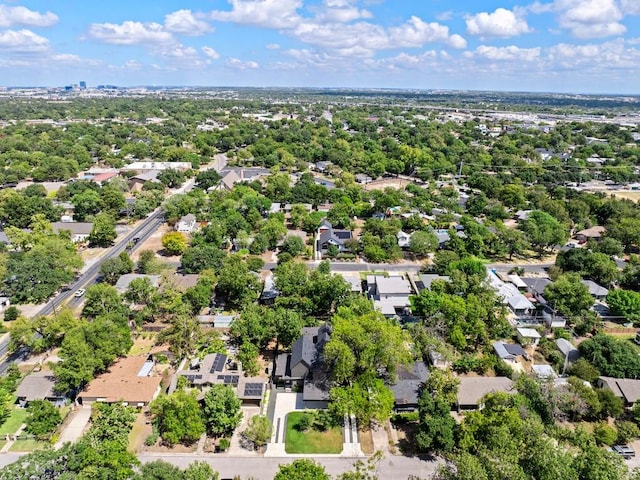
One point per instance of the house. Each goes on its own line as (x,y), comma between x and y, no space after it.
(407,388)
(182,282)
(216,321)
(275,208)
(215,369)
(594,233)
(569,352)
(472,390)
(156,166)
(443,237)
(269,291)
(536,285)
(626,389)
(123,283)
(328,236)
(229,179)
(4,303)
(426,280)
(522,215)
(403,239)
(80,231)
(363,179)
(186,224)
(137,181)
(354,282)
(544,371)
(438,360)
(528,336)
(305,367)
(39,386)
(508,351)
(129,380)
(596,291)
(390,294)
(511,296)
(103,178)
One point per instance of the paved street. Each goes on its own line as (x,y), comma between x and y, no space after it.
(265,468)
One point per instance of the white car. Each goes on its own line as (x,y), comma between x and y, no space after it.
(79,293)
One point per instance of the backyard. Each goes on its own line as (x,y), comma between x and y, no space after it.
(310,440)
(13,421)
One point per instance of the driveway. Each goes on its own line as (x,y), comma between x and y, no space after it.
(74,429)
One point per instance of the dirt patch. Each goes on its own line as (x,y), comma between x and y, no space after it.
(406,438)
(632,195)
(397,183)
(142,428)
(154,243)
(366,441)
(174,449)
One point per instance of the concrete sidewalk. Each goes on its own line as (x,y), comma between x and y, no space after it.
(285,403)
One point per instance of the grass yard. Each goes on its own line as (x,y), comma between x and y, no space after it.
(13,421)
(142,346)
(366,441)
(311,441)
(27,446)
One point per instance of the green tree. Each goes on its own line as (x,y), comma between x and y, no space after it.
(302,469)
(102,299)
(569,295)
(200,471)
(368,399)
(612,357)
(293,245)
(178,417)
(207,179)
(222,410)
(113,268)
(174,243)
(103,232)
(236,283)
(148,263)
(259,430)
(624,303)
(43,419)
(421,243)
(543,231)
(437,426)
(160,470)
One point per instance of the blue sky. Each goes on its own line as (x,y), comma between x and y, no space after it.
(585,46)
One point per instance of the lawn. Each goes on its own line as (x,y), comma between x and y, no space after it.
(13,421)
(27,446)
(311,441)
(142,346)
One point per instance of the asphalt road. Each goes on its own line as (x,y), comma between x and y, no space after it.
(265,468)
(143,231)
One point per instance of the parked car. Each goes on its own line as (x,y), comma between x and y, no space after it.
(624,451)
(79,293)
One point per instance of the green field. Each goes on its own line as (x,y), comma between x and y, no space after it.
(311,441)
(13,421)
(27,446)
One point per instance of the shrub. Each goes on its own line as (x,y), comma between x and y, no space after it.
(626,431)
(11,313)
(605,434)
(224,444)
(153,438)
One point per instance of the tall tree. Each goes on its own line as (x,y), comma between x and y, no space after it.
(221,410)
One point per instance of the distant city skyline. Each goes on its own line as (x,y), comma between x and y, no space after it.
(581,46)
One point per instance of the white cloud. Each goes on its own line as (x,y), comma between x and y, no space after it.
(501,23)
(341,11)
(210,53)
(241,65)
(186,23)
(273,46)
(457,41)
(630,7)
(10,16)
(22,42)
(588,18)
(444,16)
(130,33)
(264,13)
(510,53)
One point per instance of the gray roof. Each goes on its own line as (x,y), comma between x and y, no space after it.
(626,388)
(125,280)
(594,289)
(150,176)
(567,349)
(428,279)
(392,285)
(406,390)
(473,389)
(304,349)
(76,228)
(536,284)
(188,218)
(37,386)
(337,236)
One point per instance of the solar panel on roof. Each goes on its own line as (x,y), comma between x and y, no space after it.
(218,363)
(229,379)
(191,378)
(253,389)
